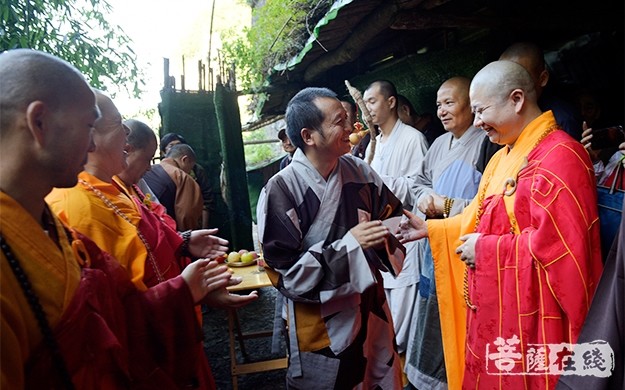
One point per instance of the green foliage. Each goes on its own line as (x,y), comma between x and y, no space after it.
(280,29)
(77,31)
(257,154)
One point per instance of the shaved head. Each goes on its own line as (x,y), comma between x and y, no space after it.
(460,85)
(141,135)
(180,150)
(531,57)
(29,76)
(499,78)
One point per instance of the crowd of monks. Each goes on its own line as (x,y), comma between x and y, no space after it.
(467,258)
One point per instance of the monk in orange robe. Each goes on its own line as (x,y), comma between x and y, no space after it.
(69,315)
(101,207)
(530,241)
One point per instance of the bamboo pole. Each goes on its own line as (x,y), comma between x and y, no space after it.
(357,96)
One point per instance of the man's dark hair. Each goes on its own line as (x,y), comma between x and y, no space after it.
(180,150)
(301,112)
(140,134)
(387,88)
(167,138)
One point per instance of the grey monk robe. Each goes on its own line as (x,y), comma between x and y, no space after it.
(340,330)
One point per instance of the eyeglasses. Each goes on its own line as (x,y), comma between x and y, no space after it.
(479,111)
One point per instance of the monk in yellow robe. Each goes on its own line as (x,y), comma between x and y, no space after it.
(67,308)
(100,207)
(529,240)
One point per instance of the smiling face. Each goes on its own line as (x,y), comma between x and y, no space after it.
(333,136)
(453,106)
(496,115)
(110,138)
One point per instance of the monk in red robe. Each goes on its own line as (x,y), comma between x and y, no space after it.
(530,241)
(69,315)
(101,207)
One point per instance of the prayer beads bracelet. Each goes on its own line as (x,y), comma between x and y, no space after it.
(447,209)
(186,238)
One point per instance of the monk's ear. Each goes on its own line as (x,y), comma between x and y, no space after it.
(37,121)
(306,134)
(543,79)
(518,98)
(392,102)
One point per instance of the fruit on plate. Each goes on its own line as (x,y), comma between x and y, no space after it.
(234,257)
(247,257)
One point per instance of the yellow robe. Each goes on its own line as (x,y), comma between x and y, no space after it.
(46,265)
(84,211)
(444,238)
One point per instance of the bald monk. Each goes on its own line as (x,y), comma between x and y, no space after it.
(101,207)
(175,188)
(67,308)
(530,241)
(531,57)
(445,183)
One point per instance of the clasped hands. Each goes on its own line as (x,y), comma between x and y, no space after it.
(414,228)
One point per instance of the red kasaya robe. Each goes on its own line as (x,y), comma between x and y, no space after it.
(538,262)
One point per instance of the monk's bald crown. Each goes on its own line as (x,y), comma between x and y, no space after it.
(504,76)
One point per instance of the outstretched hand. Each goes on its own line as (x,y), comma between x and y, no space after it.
(222,298)
(370,234)
(203,243)
(205,276)
(411,229)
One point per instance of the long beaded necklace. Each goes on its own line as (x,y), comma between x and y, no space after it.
(107,202)
(480,211)
(33,301)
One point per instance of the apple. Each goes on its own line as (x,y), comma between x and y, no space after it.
(254,254)
(242,251)
(234,257)
(247,257)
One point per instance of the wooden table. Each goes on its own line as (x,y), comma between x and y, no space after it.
(252,279)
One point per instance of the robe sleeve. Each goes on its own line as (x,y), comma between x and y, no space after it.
(449,271)
(422,185)
(413,150)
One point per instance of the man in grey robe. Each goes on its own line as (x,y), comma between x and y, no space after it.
(446,182)
(323,228)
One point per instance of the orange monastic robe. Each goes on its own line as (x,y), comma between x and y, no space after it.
(109,335)
(47,265)
(82,209)
(538,260)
